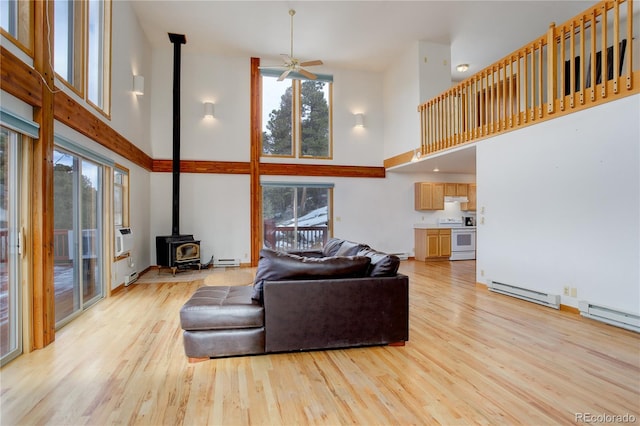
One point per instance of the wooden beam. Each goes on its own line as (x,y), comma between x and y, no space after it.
(282,169)
(73,114)
(19,79)
(197,166)
(254,164)
(43,314)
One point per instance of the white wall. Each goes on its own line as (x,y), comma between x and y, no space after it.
(562,203)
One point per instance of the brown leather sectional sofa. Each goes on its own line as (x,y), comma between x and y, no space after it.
(346,295)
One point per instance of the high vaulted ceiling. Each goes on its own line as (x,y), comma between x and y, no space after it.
(360,35)
(363,35)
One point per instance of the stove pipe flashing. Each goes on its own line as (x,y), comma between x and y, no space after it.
(178,40)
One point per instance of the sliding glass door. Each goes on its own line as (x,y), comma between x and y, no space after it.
(78,277)
(10,298)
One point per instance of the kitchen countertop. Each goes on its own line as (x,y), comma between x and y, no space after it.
(438,226)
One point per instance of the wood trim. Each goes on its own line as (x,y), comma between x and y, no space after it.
(287,169)
(254,164)
(570,309)
(398,160)
(73,114)
(42,214)
(196,166)
(19,79)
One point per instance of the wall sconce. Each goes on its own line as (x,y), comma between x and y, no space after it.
(138,85)
(208,109)
(417,154)
(359,120)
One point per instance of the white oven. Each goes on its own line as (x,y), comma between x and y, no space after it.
(463,243)
(463,238)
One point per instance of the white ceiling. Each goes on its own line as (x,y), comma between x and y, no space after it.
(360,35)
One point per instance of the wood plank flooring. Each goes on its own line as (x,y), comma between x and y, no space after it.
(474,357)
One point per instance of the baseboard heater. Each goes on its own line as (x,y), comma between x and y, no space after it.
(545,299)
(130,278)
(221,263)
(610,316)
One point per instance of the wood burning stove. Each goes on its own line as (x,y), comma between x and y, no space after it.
(177,251)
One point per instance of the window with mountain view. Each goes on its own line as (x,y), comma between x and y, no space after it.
(296,118)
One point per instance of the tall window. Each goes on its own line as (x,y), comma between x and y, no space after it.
(120,197)
(84,66)
(16,17)
(296,118)
(296,216)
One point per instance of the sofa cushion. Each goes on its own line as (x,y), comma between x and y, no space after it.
(275,265)
(332,246)
(349,248)
(382,264)
(221,308)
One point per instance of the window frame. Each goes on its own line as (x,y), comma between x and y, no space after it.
(78,60)
(24,18)
(125,185)
(296,119)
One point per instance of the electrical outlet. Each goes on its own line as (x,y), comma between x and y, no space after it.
(566,290)
(574,292)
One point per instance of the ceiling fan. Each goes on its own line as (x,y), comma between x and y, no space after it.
(293,64)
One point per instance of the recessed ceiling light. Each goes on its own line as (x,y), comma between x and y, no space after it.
(436,170)
(462,67)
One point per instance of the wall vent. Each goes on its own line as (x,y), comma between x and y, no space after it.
(611,316)
(221,263)
(545,299)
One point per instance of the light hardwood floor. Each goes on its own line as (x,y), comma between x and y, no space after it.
(474,357)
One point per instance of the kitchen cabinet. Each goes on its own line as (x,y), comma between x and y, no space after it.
(432,244)
(429,196)
(456,189)
(471,205)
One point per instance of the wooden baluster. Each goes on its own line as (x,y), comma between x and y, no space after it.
(517,82)
(630,43)
(563,74)
(616,46)
(582,60)
(603,55)
(492,101)
(540,99)
(532,82)
(572,66)
(592,59)
(552,68)
(504,95)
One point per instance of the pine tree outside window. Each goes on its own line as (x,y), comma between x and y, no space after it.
(296,119)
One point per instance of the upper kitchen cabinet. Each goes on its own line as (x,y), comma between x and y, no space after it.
(456,189)
(471,195)
(429,196)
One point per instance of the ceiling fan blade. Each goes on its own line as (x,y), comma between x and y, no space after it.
(284,75)
(307,74)
(311,63)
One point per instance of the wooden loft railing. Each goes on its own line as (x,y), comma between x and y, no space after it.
(545,79)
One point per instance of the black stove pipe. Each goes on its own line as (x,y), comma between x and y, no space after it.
(178,40)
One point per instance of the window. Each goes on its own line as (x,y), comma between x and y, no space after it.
(85,68)
(296,118)
(68,46)
(15,19)
(120,197)
(296,216)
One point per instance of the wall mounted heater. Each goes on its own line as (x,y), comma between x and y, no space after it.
(545,299)
(132,277)
(611,316)
(221,263)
